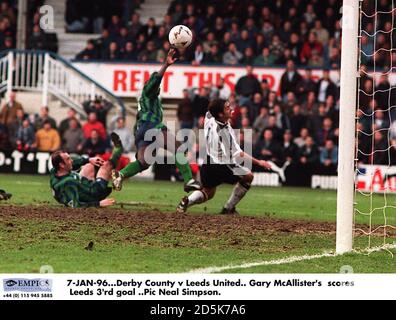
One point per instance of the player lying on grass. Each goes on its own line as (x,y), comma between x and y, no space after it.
(149,117)
(83,189)
(222,165)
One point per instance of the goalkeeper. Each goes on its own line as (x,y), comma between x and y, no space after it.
(83,189)
(149,117)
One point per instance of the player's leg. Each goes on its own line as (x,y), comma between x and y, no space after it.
(88,171)
(140,163)
(170,144)
(210,179)
(197,197)
(239,191)
(131,169)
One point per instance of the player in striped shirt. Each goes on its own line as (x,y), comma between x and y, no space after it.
(149,117)
(223,163)
(85,188)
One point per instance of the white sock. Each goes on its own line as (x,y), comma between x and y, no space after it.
(237,194)
(196,197)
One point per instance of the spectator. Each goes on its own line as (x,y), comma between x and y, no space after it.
(260,123)
(198,55)
(276,47)
(113,52)
(246,86)
(322,34)
(268,148)
(47,138)
(94,145)
(265,59)
(134,25)
(25,138)
(309,47)
(214,56)
(232,56)
(306,85)
(8,114)
(290,80)
(248,57)
(222,91)
(124,134)
(326,132)
(64,124)
(325,87)
(100,107)
(149,30)
(185,113)
(265,90)
(149,54)
(289,149)
(329,157)
(37,40)
(89,53)
(94,124)
(380,149)
(73,137)
(297,120)
(200,103)
(301,139)
(309,153)
(43,117)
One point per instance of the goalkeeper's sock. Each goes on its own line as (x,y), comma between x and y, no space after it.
(183,166)
(115,156)
(131,169)
(196,197)
(237,194)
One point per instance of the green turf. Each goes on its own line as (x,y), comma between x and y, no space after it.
(30,244)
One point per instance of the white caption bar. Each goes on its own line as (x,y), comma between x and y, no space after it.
(197,286)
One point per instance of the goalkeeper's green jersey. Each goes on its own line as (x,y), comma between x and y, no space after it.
(150,107)
(73,190)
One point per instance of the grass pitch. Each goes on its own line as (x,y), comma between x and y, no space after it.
(143,234)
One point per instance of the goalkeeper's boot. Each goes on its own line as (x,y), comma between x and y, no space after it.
(278,170)
(115,138)
(229,211)
(192,185)
(183,205)
(116,178)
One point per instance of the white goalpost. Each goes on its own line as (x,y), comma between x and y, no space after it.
(367,116)
(347,140)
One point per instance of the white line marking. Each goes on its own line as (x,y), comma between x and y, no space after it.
(288,260)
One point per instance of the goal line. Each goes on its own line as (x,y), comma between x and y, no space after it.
(292,259)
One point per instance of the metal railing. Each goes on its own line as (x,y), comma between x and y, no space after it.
(48,73)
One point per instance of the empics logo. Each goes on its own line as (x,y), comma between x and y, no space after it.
(27,285)
(10,283)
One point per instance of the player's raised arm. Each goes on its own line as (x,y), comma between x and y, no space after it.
(151,88)
(170,59)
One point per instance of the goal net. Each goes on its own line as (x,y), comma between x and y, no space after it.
(375,152)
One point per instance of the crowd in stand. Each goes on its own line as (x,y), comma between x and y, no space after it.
(227,32)
(36,38)
(40,132)
(8,18)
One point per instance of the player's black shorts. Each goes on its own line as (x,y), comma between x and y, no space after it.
(213,175)
(142,128)
(102,191)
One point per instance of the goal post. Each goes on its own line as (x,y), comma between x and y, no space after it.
(347,125)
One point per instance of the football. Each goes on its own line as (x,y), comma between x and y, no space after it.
(180,36)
